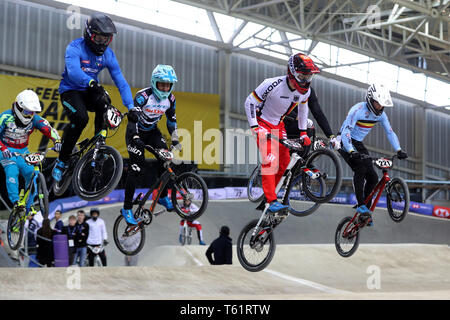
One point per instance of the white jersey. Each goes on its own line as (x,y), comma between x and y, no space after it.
(275,100)
(97,231)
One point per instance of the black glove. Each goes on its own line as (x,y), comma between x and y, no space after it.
(98,93)
(138,142)
(355,155)
(133,114)
(401,154)
(105,242)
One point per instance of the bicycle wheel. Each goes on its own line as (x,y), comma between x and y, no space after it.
(41,197)
(95,179)
(329,167)
(189,236)
(255,191)
(397,199)
(299,203)
(255,253)
(15,229)
(183,236)
(346,245)
(97,261)
(129,239)
(190,186)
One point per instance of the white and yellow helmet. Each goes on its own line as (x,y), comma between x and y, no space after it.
(26,105)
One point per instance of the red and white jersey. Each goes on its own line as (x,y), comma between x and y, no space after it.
(275,100)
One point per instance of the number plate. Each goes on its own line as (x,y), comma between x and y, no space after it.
(383,163)
(34,158)
(166,155)
(114,117)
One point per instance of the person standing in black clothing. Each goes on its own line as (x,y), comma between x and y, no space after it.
(45,244)
(81,235)
(70,231)
(221,248)
(32,228)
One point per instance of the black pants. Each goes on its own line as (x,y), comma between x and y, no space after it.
(77,105)
(365,177)
(153,138)
(91,257)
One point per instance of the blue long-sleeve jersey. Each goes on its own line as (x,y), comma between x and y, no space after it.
(83,66)
(360,120)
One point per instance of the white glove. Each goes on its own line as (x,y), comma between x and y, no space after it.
(335,142)
(176,145)
(57,147)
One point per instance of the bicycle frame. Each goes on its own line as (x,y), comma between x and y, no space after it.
(160,184)
(26,199)
(381,185)
(378,189)
(98,139)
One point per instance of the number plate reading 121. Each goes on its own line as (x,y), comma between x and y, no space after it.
(34,158)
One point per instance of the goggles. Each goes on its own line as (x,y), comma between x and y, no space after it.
(304,78)
(101,39)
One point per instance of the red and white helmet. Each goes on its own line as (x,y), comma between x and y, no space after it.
(301,70)
(26,105)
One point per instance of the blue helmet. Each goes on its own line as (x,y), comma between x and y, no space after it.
(163,73)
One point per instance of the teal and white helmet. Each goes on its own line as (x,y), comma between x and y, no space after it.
(163,73)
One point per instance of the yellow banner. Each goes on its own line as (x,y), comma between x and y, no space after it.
(190,107)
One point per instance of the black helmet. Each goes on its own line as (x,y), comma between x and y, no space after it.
(94,210)
(98,33)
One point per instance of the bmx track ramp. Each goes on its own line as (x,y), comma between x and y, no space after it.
(413,271)
(408,260)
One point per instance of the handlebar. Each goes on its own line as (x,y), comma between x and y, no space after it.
(292,144)
(162,154)
(23,155)
(365,156)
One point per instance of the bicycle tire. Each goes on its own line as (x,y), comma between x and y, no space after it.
(390,199)
(43,196)
(252,182)
(189,238)
(112,183)
(183,236)
(13,219)
(119,244)
(178,183)
(241,252)
(287,200)
(345,253)
(338,179)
